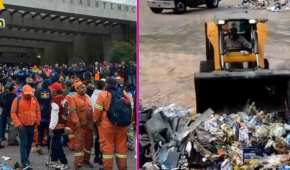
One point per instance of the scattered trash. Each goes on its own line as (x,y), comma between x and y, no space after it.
(5,165)
(172,138)
(5,158)
(271,5)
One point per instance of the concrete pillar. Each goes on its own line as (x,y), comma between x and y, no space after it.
(99,48)
(107,47)
(48,54)
(55,53)
(79,46)
(88,48)
(118,33)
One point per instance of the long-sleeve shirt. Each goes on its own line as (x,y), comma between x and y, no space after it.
(54,116)
(81,111)
(94,97)
(237,44)
(28,112)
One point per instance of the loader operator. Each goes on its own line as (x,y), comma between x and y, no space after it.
(236,42)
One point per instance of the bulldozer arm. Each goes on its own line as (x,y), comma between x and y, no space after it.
(229,92)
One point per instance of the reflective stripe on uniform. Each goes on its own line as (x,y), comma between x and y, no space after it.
(99,107)
(72,110)
(87,151)
(107,156)
(122,156)
(78,154)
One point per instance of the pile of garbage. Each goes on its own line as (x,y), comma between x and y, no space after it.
(271,5)
(173,138)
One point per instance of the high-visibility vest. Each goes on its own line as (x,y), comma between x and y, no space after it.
(97,76)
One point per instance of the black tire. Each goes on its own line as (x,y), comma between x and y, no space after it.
(156,10)
(266,63)
(206,66)
(180,7)
(212,3)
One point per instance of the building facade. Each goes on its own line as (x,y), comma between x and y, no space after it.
(64,31)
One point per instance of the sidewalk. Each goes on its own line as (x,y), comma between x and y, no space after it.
(38,161)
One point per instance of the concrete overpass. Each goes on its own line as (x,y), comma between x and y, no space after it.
(58,30)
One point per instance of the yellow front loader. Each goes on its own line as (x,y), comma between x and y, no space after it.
(233,74)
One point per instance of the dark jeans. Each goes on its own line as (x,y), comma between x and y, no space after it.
(98,153)
(43,127)
(57,152)
(3,125)
(131,79)
(65,140)
(26,138)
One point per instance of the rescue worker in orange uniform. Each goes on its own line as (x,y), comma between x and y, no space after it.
(81,123)
(25,114)
(113,139)
(70,122)
(97,75)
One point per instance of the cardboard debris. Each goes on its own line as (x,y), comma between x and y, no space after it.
(172,139)
(271,5)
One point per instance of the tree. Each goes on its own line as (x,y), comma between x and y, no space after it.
(123,51)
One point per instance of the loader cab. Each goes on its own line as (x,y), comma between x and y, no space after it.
(239,44)
(230,91)
(237,36)
(236,44)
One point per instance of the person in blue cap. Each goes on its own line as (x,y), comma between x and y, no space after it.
(43,96)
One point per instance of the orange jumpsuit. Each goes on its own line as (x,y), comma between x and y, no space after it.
(97,76)
(81,123)
(113,139)
(70,123)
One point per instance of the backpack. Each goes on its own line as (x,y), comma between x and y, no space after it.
(119,112)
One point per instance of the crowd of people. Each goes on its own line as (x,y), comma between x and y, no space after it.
(67,105)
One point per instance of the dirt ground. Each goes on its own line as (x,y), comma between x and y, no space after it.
(172,46)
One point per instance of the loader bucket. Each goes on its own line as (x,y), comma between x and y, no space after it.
(229,92)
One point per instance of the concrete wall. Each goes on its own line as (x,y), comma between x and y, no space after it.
(62,40)
(88,48)
(55,53)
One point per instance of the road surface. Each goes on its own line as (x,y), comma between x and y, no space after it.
(38,161)
(172,46)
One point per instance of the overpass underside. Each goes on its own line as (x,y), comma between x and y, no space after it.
(34,35)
